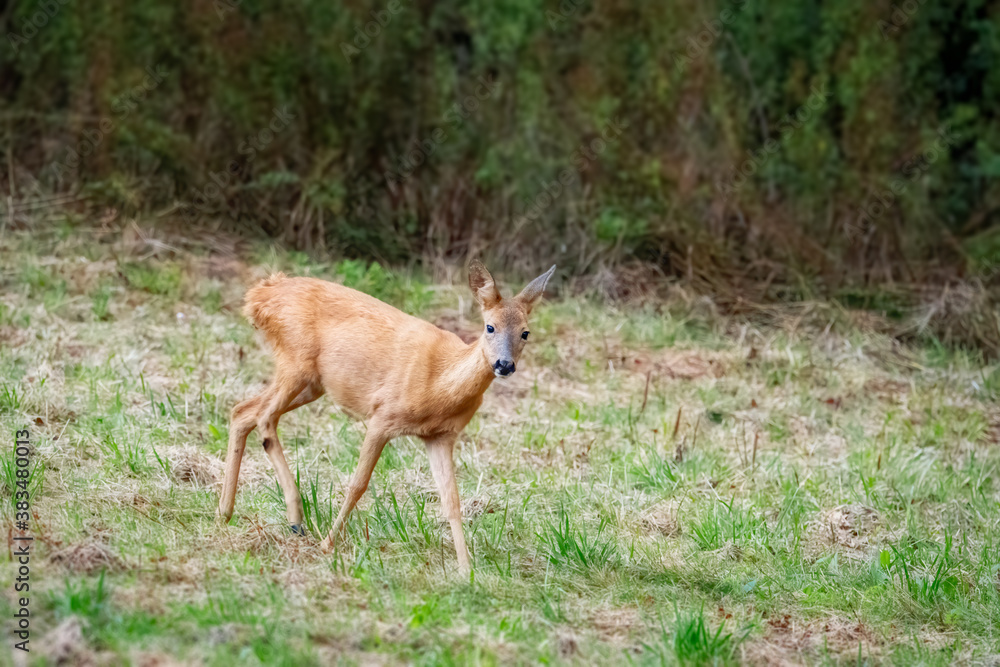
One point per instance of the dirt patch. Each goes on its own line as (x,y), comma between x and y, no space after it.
(295,580)
(992,434)
(189,465)
(680,364)
(850,526)
(842,634)
(87,558)
(569,644)
(789,641)
(662,520)
(815,440)
(12,336)
(850,530)
(147,597)
(65,645)
(275,540)
(616,624)
(766,654)
(885,389)
(256,540)
(156,660)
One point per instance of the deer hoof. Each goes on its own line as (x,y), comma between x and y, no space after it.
(297,529)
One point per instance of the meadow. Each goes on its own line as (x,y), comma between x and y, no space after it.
(658,483)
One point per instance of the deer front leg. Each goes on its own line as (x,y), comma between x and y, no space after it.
(439,450)
(371,450)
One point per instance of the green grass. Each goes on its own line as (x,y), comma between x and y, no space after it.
(764,496)
(571,546)
(692,642)
(152,277)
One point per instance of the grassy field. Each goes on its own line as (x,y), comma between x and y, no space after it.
(656,485)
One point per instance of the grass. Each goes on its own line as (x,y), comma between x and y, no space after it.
(692,642)
(654,486)
(567,544)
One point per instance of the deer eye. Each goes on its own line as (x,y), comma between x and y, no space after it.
(489,328)
(524,335)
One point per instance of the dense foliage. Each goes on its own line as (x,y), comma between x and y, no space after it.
(846,139)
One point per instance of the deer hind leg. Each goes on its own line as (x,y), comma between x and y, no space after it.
(243,420)
(439,450)
(288,395)
(371,450)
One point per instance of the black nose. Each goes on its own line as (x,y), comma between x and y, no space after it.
(504,367)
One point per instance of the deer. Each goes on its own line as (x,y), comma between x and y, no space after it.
(401,375)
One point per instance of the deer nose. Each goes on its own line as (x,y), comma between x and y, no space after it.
(504,367)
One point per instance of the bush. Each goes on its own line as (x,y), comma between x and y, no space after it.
(838,138)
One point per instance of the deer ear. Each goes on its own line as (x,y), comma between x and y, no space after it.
(533,291)
(483,287)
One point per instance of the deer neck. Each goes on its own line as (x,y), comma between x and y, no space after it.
(468,375)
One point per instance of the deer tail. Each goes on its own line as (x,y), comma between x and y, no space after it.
(260,305)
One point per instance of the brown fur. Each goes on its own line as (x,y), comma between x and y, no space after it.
(402,375)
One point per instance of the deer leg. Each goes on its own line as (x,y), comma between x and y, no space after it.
(242,423)
(243,420)
(277,456)
(286,395)
(371,450)
(439,450)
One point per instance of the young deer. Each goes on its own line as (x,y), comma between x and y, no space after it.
(402,375)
